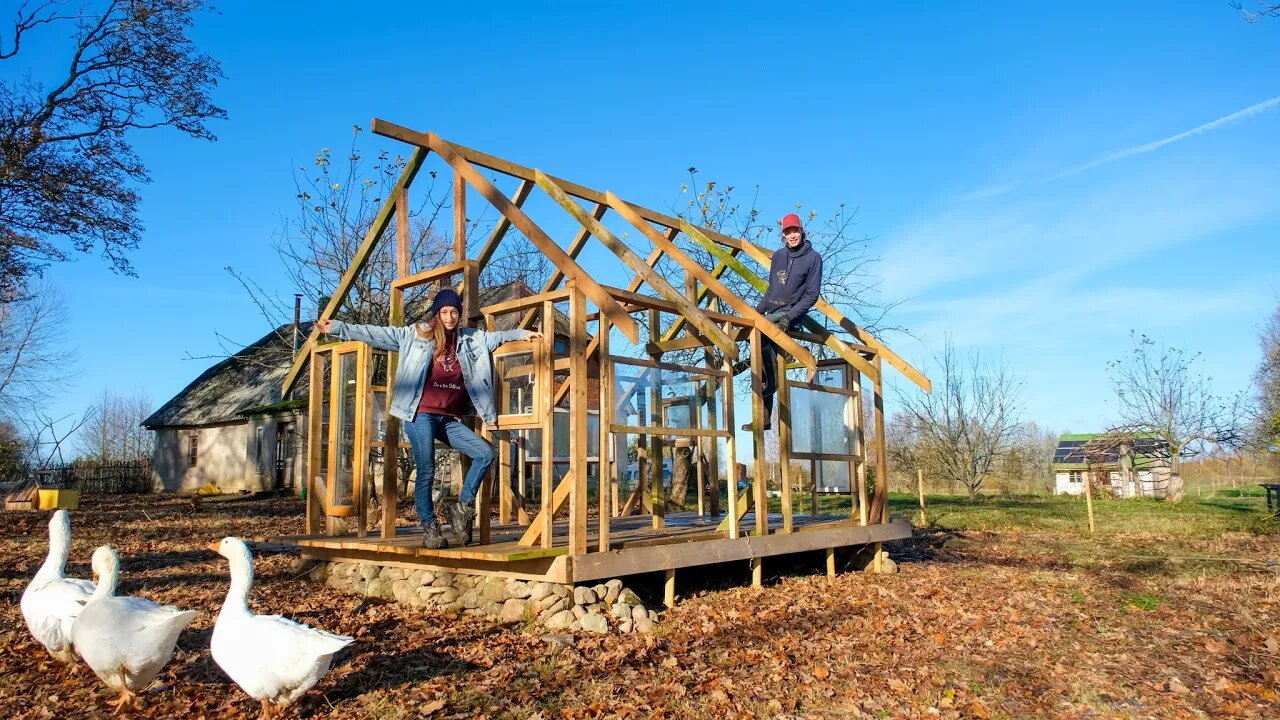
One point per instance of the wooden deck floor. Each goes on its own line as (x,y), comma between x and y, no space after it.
(635,546)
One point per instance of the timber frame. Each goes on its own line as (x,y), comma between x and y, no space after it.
(637,408)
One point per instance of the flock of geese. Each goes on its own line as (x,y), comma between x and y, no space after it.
(128,640)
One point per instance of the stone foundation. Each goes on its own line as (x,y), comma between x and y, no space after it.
(603,608)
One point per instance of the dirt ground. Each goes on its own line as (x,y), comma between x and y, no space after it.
(977,624)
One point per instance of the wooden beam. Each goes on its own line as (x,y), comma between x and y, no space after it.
(783,400)
(605,402)
(758,419)
(380,222)
(500,231)
(701,275)
(459,217)
(633,261)
(575,247)
(540,239)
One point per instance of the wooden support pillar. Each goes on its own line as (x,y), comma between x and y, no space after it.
(669,589)
(459,217)
(546,387)
(391,441)
(831,562)
(920,489)
(577,420)
(730,452)
(783,400)
(880,505)
(657,496)
(757,432)
(860,465)
(757,572)
(484,493)
(315,506)
(605,509)
(503,478)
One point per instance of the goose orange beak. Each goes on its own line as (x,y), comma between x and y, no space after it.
(213,546)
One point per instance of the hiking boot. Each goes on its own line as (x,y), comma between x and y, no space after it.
(431,537)
(462,518)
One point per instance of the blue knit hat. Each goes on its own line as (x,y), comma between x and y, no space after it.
(446,297)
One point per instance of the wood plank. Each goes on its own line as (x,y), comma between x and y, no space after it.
(500,230)
(659,430)
(657,498)
(436,273)
(380,222)
(783,399)
(547,525)
(531,301)
(692,554)
(673,367)
(459,217)
(605,508)
(717,288)
(395,318)
(540,239)
(578,421)
(633,261)
(575,247)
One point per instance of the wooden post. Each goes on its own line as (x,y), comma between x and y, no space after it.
(920,489)
(1088,498)
(730,452)
(669,589)
(784,442)
(831,562)
(880,506)
(757,433)
(484,493)
(315,506)
(658,497)
(391,441)
(757,572)
(604,473)
(547,378)
(503,478)
(577,419)
(861,464)
(459,217)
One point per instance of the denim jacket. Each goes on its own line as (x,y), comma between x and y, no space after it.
(475,348)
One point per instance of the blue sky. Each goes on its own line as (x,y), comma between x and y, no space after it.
(1027,171)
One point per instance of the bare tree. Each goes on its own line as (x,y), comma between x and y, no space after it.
(68,173)
(848,280)
(13,452)
(969,425)
(337,203)
(33,359)
(1162,395)
(1260,9)
(1266,425)
(115,432)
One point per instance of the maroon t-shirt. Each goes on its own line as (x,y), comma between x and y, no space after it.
(444,393)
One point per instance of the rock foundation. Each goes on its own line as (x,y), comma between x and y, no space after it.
(602,608)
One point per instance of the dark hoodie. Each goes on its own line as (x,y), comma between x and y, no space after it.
(795,278)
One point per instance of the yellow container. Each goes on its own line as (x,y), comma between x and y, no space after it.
(54,499)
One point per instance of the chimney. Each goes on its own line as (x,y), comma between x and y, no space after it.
(297,323)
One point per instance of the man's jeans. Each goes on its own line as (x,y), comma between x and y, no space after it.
(425,429)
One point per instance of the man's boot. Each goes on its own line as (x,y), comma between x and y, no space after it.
(431,537)
(462,517)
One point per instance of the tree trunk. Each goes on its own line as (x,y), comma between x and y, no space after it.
(681,469)
(1174,493)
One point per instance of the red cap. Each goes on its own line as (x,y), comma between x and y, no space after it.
(791,220)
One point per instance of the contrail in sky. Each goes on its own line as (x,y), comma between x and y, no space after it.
(1140,149)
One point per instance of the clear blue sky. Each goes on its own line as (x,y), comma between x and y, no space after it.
(1022,167)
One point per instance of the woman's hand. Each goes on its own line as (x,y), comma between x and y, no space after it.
(533,335)
(324,325)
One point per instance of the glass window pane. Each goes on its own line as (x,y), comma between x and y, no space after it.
(818,422)
(344,475)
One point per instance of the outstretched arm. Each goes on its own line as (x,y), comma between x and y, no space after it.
(493,339)
(378,336)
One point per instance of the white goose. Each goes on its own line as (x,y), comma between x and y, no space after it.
(273,659)
(126,640)
(52,601)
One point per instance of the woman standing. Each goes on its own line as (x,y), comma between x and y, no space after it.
(445,373)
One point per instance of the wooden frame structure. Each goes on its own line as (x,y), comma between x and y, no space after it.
(646,405)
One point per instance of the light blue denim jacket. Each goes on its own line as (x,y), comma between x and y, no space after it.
(475,348)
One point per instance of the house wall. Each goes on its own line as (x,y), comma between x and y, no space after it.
(221,457)
(235,457)
(1062,484)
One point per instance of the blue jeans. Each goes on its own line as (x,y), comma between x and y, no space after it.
(423,432)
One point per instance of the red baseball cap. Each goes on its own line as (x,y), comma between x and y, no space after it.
(791,220)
